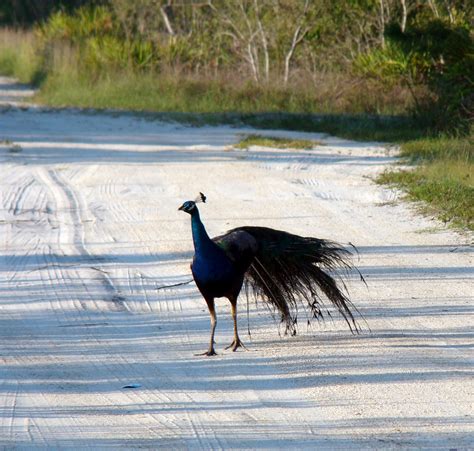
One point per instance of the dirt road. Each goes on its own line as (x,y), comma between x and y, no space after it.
(89,229)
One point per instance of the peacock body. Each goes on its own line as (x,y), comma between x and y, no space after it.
(281,268)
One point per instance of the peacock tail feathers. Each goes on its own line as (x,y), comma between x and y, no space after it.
(288,269)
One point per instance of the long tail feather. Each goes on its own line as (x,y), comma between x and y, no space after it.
(289,268)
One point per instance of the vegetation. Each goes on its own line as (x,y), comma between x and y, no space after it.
(145,91)
(391,70)
(27,12)
(18,55)
(443,177)
(276,142)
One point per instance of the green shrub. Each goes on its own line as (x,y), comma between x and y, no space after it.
(441,55)
(389,64)
(86,22)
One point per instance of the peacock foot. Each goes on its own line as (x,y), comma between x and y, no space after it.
(236,344)
(208,353)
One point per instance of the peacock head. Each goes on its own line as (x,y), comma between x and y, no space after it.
(190,205)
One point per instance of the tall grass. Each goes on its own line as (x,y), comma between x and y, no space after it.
(175,91)
(460,150)
(18,54)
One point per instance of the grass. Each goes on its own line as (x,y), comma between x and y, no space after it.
(179,92)
(441,148)
(442,177)
(276,143)
(18,56)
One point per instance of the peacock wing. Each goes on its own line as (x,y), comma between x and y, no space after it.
(240,246)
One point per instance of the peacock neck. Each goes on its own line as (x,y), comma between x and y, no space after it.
(200,237)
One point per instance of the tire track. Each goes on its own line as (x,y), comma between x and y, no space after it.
(18,198)
(70,241)
(71,236)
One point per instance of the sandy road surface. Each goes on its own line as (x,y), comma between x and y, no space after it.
(89,228)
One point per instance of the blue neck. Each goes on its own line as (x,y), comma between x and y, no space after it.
(200,237)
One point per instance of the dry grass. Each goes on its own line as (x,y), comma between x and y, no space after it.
(18,54)
(276,142)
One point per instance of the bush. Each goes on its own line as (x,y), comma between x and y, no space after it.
(441,55)
(434,53)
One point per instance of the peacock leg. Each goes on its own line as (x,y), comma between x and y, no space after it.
(212,311)
(236,343)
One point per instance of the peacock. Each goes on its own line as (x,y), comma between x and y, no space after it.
(279,267)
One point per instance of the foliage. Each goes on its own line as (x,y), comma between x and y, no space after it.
(388,64)
(442,54)
(437,52)
(86,22)
(266,40)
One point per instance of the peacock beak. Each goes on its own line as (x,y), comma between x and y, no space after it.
(181,208)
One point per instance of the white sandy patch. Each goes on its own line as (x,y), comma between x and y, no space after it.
(90,228)
(14,94)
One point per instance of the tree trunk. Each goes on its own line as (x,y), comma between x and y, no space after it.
(165,14)
(252,62)
(263,38)
(289,55)
(404,16)
(382,23)
(433,7)
(298,36)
